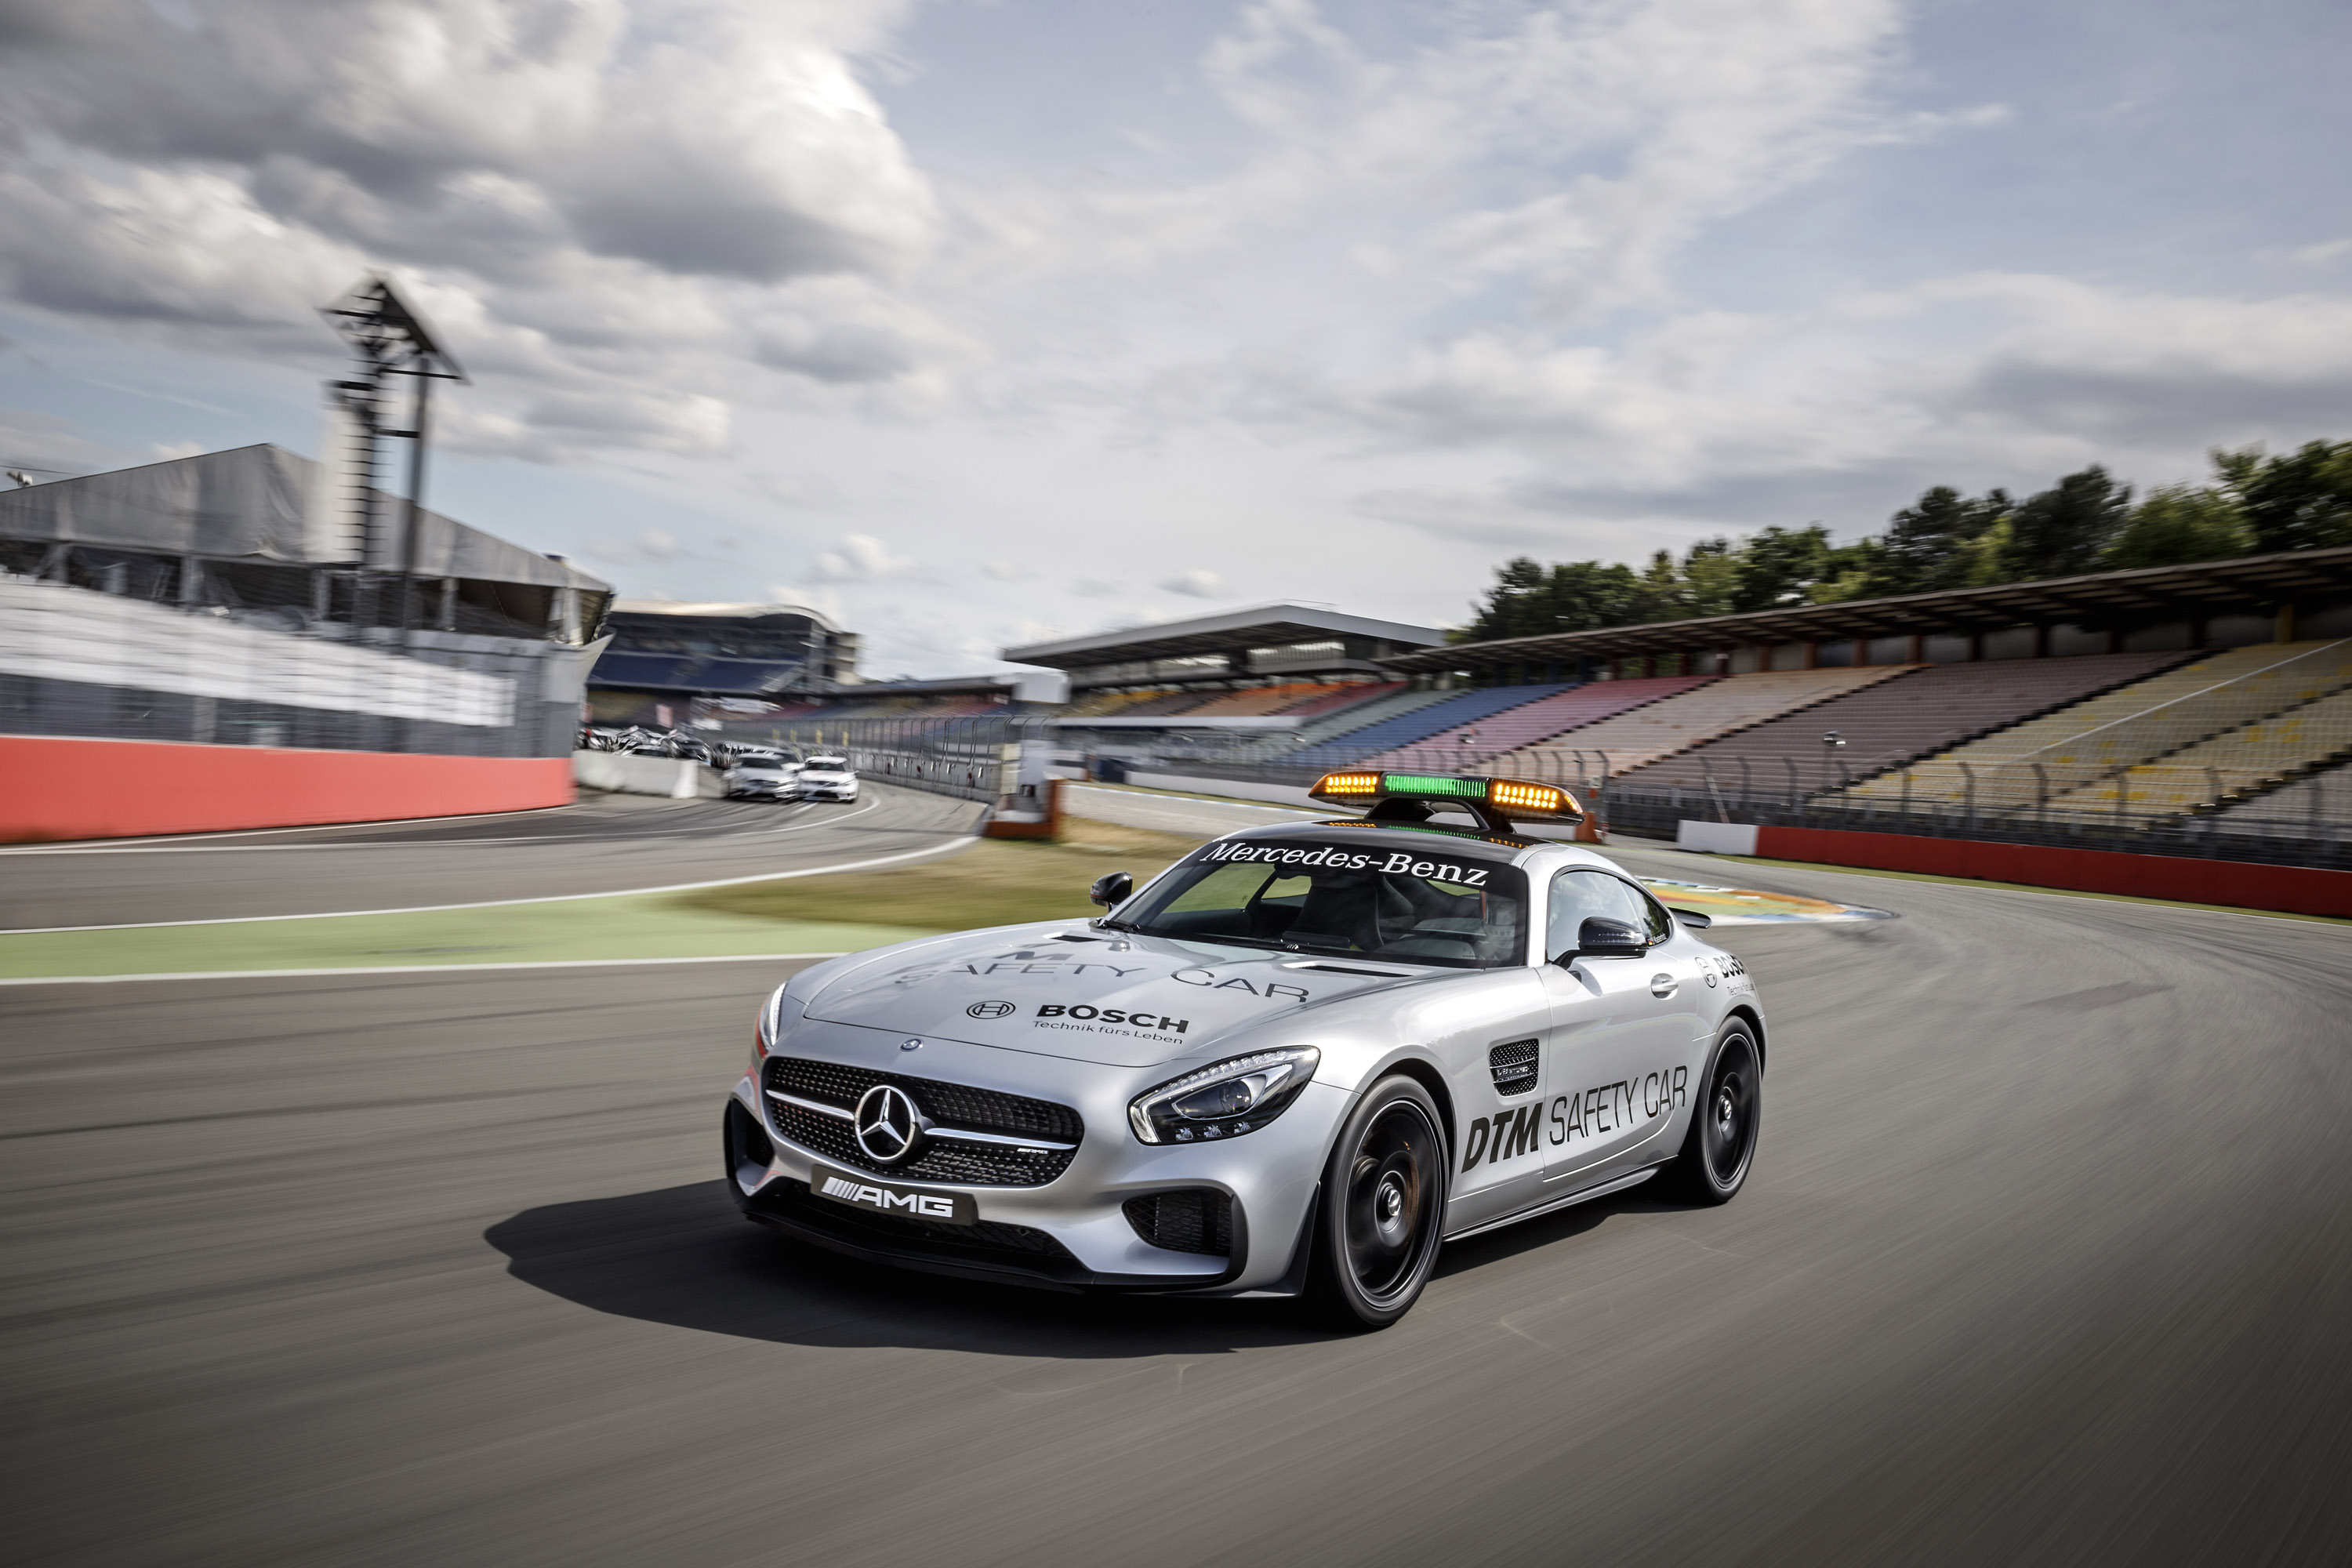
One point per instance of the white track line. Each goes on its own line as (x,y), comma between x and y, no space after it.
(405,969)
(963,842)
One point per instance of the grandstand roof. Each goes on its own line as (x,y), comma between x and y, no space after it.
(253,504)
(720,612)
(1232,632)
(2104,598)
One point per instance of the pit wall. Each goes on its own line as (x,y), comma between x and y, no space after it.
(620,773)
(69,789)
(2298,889)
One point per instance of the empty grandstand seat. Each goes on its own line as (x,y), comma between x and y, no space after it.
(1672,724)
(2239,762)
(1324,700)
(1538,721)
(1892,722)
(1255,702)
(1449,712)
(642,668)
(744,677)
(2313,811)
(1164,705)
(2049,758)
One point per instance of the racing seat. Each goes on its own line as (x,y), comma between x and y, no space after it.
(1345,907)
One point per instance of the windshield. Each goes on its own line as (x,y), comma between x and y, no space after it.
(830,765)
(1416,904)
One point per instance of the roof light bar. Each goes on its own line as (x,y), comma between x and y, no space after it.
(1500,797)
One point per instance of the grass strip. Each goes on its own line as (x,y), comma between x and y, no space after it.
(994,882)
(627,925)
(997,881)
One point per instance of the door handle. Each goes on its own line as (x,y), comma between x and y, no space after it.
(1662,985)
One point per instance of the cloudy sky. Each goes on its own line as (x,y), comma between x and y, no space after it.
(975,322)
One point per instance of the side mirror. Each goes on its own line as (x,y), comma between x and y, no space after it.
(1111,890)
(1694,920)
(1599,937)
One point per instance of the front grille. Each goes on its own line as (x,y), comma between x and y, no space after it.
(1194,1221)
(948,1104)
(990,1241)
(1513,1067)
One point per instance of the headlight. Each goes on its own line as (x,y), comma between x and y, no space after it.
(773,1021)
(1226,1100)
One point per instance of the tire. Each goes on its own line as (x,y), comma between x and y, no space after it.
(1726,1119)
(1383,1210)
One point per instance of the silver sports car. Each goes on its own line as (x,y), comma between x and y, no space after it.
(1292,1064)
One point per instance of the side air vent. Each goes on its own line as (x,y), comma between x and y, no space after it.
(1194,1221)
(1513,1067)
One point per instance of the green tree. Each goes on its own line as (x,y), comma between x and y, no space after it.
(1780,566)
(1527,600)
(1711,577)
(2299,500)
(2179,524)
(1924,549)
(2062,532)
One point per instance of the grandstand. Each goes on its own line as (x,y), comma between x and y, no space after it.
(220,599)
(1929,708)
(1541,720)
(1451,713)
(1246,672)
(663,652)
(1638,736)
(2064,760)
(2235,764)
(2313,812)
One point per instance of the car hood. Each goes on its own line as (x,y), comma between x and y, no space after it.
(1125,1003)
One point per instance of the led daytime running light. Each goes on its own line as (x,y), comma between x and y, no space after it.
(1157,1116)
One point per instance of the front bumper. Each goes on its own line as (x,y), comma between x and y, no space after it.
(1073,1231)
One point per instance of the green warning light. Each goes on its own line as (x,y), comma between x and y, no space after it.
(1422,784)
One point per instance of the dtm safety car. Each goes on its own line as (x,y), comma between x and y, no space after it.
(1294,1063)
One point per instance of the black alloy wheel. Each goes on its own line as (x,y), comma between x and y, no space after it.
(1382,1209)
(1721,1144)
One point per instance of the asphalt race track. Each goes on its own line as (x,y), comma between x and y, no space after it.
(606,844)
(2047,1258)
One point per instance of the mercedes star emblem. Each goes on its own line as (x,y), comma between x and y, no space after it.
(889,1126)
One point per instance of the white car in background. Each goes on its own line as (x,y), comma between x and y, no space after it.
(757,774)
(828,777)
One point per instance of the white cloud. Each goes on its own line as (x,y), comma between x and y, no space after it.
(860,558)
(1390,289)
(649,544)
(639,207)
(1195,584)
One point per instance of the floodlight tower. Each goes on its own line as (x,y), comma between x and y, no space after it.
(388,338)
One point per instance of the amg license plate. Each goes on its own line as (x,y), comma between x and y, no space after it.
(872,1194)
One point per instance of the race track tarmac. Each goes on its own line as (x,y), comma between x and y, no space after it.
(605,844)
(2047,1258)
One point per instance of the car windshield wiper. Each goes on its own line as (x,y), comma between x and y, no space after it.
(1211,938)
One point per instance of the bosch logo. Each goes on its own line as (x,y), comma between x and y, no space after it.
(989,1009)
